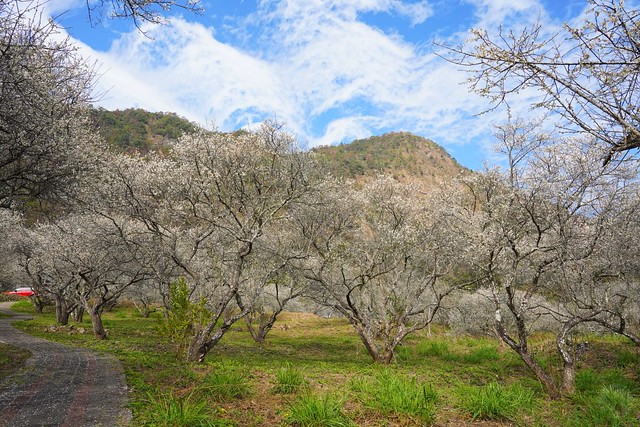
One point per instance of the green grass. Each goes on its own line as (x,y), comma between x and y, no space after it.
(496,402)
(589,381)
(627,358)
(609,407)
(225,383)
(245,384)
(434,348)
(318,411)
(24,305)
(289,379)
(480,355)
(171,411)
(462,351)
(390,393)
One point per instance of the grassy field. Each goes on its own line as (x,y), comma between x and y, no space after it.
(315,372)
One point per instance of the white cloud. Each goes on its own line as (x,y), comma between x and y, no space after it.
(54,8)
(491,13)
(417,12)
(343,130)
(348,9)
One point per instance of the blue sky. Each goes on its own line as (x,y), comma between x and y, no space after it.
(331,70)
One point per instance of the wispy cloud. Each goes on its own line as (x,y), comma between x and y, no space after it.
(491,13)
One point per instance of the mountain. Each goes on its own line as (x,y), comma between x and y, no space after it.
(140,130)
(403,155)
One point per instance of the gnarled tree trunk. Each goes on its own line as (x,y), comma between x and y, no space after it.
(63,309)
(202,342)
(382,354)
(522,349)
(78,314)
(96,323)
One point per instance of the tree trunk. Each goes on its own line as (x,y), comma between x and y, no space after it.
(78,314)
(383,357)
(38,304)
(568,359)
(521,348)
(386,357)
(544,378)
(197,349)
(248,320)
(96,322)
(110,305)
(62,316)
(260,333)
(201,344)
(166,305)
(143,308)
(203,340)
(62,310)
(569,378)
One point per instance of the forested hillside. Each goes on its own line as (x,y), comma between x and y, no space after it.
(402,155)
(405,156)
(138,129)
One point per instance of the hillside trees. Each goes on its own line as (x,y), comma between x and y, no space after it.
(588,75)
(45,87)
(137,130)
(215,206)
(237,190)
(377,258)
(544,238)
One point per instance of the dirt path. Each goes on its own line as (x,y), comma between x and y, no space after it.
(60,385)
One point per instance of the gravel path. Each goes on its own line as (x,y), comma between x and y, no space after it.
(60,385)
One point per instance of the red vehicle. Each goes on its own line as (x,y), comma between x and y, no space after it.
(23,292)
